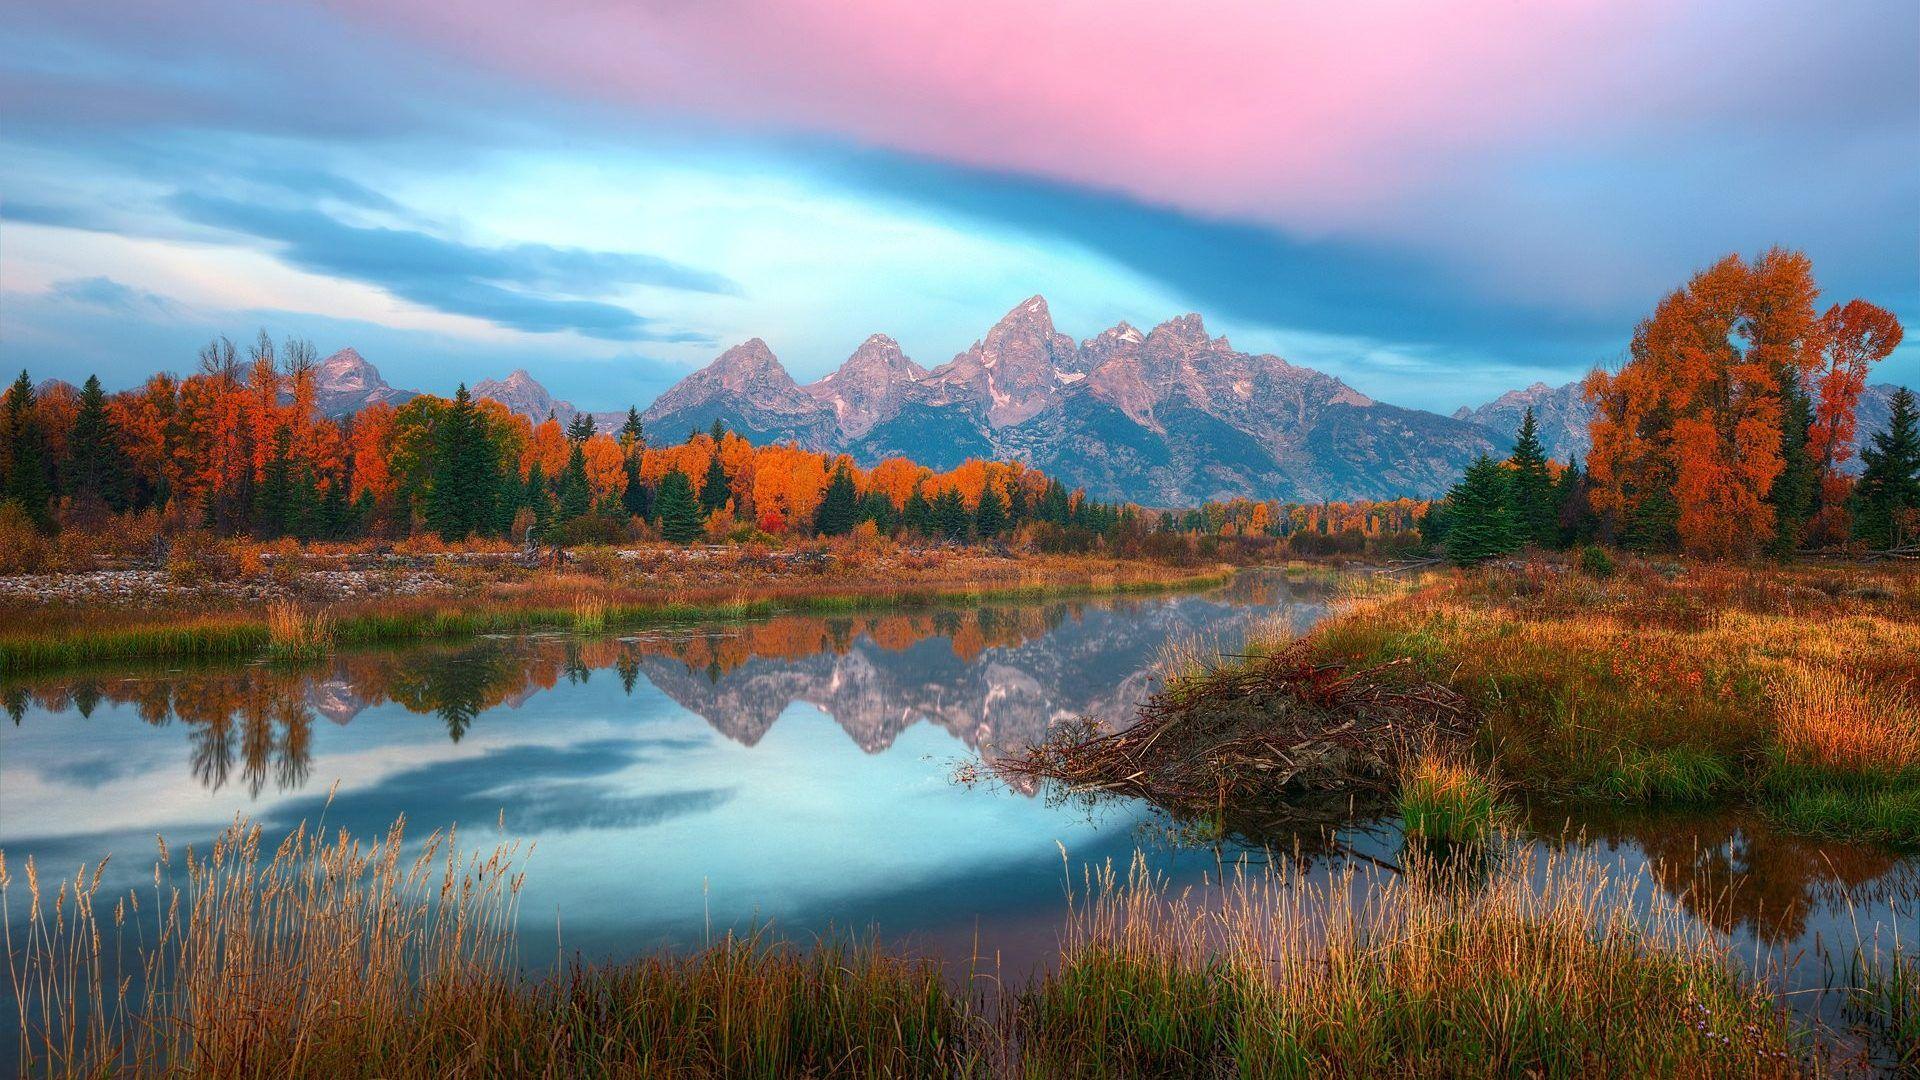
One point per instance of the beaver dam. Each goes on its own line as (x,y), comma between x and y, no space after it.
(1264,742)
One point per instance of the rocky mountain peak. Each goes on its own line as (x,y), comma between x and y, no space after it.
(870,386)
(523,395)
(345,382)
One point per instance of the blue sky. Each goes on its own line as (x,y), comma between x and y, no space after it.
(1435,205)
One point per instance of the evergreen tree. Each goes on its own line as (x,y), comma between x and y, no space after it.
(1479,518)
(717,432)
(1433,526)
(97,466)
(580,428)
(637,499)
(917,514)
(273,500)
(1054,504)
(1536,518)
(950,518)
(631,433)
(990,516)
(1574,509)
(1795,490)
(1890,480)
(1017,507)
(465,471)
(679,513)
(715,492)
(27,480)
(537,496)
(576,495)
(877,508)
(840,507)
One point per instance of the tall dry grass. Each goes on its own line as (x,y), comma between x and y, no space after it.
(332,958)
(295,632)
(253,964)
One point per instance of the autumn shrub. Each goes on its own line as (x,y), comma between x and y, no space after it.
(1594,561)
(23,550)
(598,560)
(197,556)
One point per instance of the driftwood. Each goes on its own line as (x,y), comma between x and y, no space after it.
(1256,740)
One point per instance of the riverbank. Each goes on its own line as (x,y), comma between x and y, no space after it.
(1793,689)
(390,958)
(298,607)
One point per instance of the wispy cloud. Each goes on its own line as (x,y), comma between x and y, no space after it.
(109,295)
(496,284)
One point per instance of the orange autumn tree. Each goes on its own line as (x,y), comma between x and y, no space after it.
(1692,434)
(1852,338)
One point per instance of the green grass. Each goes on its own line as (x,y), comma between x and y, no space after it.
(1884,1000)
(1874,807)
(1677,774)
(1449,803)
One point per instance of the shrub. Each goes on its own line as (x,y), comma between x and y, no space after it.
(1594,562)
(196,557)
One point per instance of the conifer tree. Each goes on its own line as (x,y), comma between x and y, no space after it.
(1479,518)
(465,470)
(580,428)
(27,482)
(950,518)
(715,491)
(1536,518)
(97,466)
(990,516)
(632,434)
(679,513)
(1575,511)
(538,497)
(839,507)
(1795,489)
(576,494)
(917,514)
(637,498)
(1890,482)
(717,432)
(273,500)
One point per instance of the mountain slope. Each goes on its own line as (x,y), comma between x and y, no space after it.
(1168,417)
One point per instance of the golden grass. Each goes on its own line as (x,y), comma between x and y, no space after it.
(332,957)
(295,632)
(1828,720)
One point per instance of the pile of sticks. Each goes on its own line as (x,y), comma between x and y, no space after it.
(1249,739)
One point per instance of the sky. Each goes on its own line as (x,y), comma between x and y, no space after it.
(1434,201)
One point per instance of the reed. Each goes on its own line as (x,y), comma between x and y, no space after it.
(331,957)
(589,614)
(1448,799)
(297,633)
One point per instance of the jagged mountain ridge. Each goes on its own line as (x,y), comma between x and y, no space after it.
(1169,417)
(1562,414)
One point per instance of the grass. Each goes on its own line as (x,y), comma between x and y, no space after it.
(332,957)
(43,640)
(1449,800)
(1883,1000)
(1791,688)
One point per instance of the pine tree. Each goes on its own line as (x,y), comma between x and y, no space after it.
(717,432)
(950,518)
(1479,519)
(1795,489)
(715,491)
(840,507)
(273,500)
(1575,511)
(632,434)
(1530,489)
(27,482)
(97,466)
(990,516)
(877,508)
(1054,504)
(576,494)
(538,497)
(917,514)
(1890,480)
(637,499)
(465,471)
(580,428)
(679,513)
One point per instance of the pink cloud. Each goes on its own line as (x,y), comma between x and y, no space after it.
(1315,114)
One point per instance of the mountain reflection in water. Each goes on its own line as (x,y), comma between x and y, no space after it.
(795,770)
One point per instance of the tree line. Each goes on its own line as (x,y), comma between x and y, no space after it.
(1726,434)
(240,448)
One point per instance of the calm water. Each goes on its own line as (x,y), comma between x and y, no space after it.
(798,772)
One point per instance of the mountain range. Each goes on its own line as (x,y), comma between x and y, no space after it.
(1170,416)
